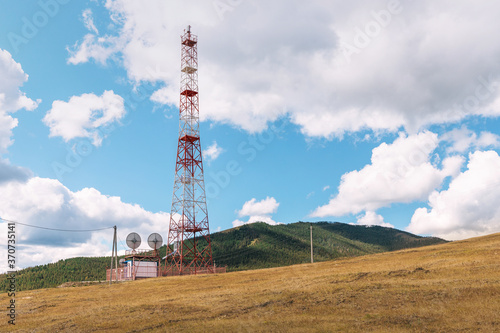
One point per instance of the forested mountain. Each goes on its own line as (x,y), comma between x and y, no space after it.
(251,246)
(260,245)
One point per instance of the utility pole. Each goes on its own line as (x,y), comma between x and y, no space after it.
(114,255)
(312,260)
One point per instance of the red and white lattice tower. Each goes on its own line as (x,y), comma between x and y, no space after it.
(190,251)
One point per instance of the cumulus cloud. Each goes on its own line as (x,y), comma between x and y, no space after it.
(88,20)
(93,47)
(371,218)
(463,139)
(253,207)
(255,218)
(12,98)
(469,207)
(47,202)
(399,172)
(414,79)
(258,211)
(212,152)
(7,124)
(84,115)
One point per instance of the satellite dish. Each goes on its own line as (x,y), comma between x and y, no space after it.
(155,241)
(133,240)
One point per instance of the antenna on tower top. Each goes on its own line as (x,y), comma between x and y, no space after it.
(189,29)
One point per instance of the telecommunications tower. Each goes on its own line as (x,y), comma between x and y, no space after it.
(188,245)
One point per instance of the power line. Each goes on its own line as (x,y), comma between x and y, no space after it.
(54,229)
(123,245)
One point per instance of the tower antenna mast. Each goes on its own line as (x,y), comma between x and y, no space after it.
(189,250)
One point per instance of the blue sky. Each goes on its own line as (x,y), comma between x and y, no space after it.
(377,113)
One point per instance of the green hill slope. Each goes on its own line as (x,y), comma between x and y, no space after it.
(252,246)
(260,245)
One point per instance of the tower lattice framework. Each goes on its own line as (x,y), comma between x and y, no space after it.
(190,250)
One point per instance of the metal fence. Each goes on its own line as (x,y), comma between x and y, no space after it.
(132,272)
(127,273)
(192,271)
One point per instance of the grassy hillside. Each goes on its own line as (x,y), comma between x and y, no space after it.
(453,287)
(252,246)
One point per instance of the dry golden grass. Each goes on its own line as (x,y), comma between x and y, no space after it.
(453,287)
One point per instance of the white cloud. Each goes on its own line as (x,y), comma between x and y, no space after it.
(327,187)
(399,172)
(92,47)
(84,115)
(258,211)
(269,205)
(12,98)
(255,218)
(290,53)
(469,207)
(7,124)
(46,202)
(212,152)
(463,139)
(88,20)
(371,218)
